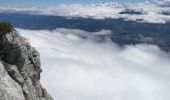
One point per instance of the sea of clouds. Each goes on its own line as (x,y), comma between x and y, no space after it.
(76,68)
(158,12)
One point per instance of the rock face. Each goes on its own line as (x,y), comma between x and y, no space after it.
(20,68)
(9,89)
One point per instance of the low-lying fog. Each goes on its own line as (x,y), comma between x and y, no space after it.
(84,69)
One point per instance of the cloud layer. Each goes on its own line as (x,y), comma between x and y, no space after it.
(83,69)
(163,2)
(149,12)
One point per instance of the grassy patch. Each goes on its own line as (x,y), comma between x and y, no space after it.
(5,28)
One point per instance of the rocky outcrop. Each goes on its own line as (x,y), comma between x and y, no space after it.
(20,72)
(9,89)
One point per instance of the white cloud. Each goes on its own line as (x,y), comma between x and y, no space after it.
(163,2)
(151,13)
(83,69)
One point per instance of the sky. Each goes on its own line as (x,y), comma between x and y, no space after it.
(57,2)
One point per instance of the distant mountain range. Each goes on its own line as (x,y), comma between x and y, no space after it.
(129,23)
(141,12)
(123,32)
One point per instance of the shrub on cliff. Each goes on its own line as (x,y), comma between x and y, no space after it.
(5,28)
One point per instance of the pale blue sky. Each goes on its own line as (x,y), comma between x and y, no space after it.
(57,2)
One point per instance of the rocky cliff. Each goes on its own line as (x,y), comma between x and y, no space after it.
(20,67)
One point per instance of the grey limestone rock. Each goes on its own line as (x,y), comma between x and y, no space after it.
(9,89)
(24,65)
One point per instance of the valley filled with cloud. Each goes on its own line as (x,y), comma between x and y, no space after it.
(76,66)
(105,51)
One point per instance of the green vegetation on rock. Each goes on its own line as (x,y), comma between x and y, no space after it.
(6,65)
(5,28)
